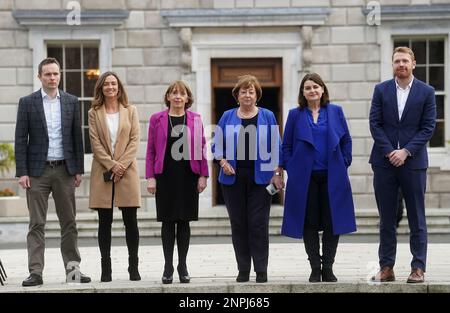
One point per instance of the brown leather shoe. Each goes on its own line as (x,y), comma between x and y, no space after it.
(385,274)
(417,276)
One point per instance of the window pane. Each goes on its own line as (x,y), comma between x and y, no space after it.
(90,58)
(440,106)
(437,77)
(401,43)
(87,141)
(85,106)
(90,78)
(420,51)
(420,73)
(55,52)
(436,49)
(73,58)
(61,82)
(73,83)
(438,137)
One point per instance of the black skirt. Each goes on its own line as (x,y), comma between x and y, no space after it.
(176,187)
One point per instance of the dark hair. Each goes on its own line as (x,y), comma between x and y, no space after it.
(99,97)
(404,50)
(318,80)
(45,62)
(246,81)
(180,85)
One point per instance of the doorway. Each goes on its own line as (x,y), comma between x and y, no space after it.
(224,75)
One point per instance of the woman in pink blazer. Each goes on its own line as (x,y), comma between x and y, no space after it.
(176,171)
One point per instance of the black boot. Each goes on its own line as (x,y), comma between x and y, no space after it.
(315,275)
(106,270)
(133,268)
(328,275)
(243,276)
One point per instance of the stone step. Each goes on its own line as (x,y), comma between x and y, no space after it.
(215,222)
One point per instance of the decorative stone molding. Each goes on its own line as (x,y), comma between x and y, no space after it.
(413,13)
(307,37)
(253,17)
(186,45)
(112,18)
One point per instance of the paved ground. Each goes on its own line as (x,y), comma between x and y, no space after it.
(213,269)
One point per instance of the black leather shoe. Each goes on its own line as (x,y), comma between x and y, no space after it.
(243,276)
(328,275)
(261,277)
(167,279)
(32,280)
(315,275)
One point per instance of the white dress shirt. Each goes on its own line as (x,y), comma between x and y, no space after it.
(112,119)
(402,96)
(52,110)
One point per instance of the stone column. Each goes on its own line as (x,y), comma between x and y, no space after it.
(307,36)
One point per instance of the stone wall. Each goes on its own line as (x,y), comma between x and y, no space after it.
(147,56)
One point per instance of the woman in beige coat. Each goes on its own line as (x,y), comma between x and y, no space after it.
(114,134)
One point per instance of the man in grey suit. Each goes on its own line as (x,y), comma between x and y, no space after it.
(50,159)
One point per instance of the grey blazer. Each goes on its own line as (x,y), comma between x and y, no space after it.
(31,139)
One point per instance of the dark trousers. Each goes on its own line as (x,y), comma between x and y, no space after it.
(386,182)
(182,232)
(105,219)
(60,183)
(318,217)
(248,206)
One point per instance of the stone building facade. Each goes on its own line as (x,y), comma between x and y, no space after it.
(150,43)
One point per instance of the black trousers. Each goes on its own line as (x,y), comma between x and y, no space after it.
(318,217)
(105,219)
(248,206)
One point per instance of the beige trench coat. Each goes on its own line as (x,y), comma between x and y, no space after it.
(127,191)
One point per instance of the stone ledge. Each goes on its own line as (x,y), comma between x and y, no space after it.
(246,17)
(204,285)
(412,13)
(59,17)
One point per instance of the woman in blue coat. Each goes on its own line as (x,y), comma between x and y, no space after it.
(247,147)
(317,150)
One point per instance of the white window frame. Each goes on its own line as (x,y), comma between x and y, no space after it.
(439,156)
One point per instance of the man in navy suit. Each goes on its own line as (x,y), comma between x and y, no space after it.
(402,121)
(50,159)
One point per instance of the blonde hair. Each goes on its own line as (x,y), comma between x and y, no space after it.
(404,50)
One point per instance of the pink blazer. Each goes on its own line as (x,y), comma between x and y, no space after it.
(157,140)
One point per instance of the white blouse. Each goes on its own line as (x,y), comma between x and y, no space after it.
(112,119)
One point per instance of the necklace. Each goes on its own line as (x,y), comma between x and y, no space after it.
(242,115)
(182,128)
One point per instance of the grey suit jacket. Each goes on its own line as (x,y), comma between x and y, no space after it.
(31,139)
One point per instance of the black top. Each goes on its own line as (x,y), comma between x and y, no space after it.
(246,150)
(176,187)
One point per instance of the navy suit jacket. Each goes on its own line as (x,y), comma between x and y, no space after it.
(412,131)
(31,138)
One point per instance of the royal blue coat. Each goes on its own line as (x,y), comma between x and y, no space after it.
(268,145)
(298,154)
